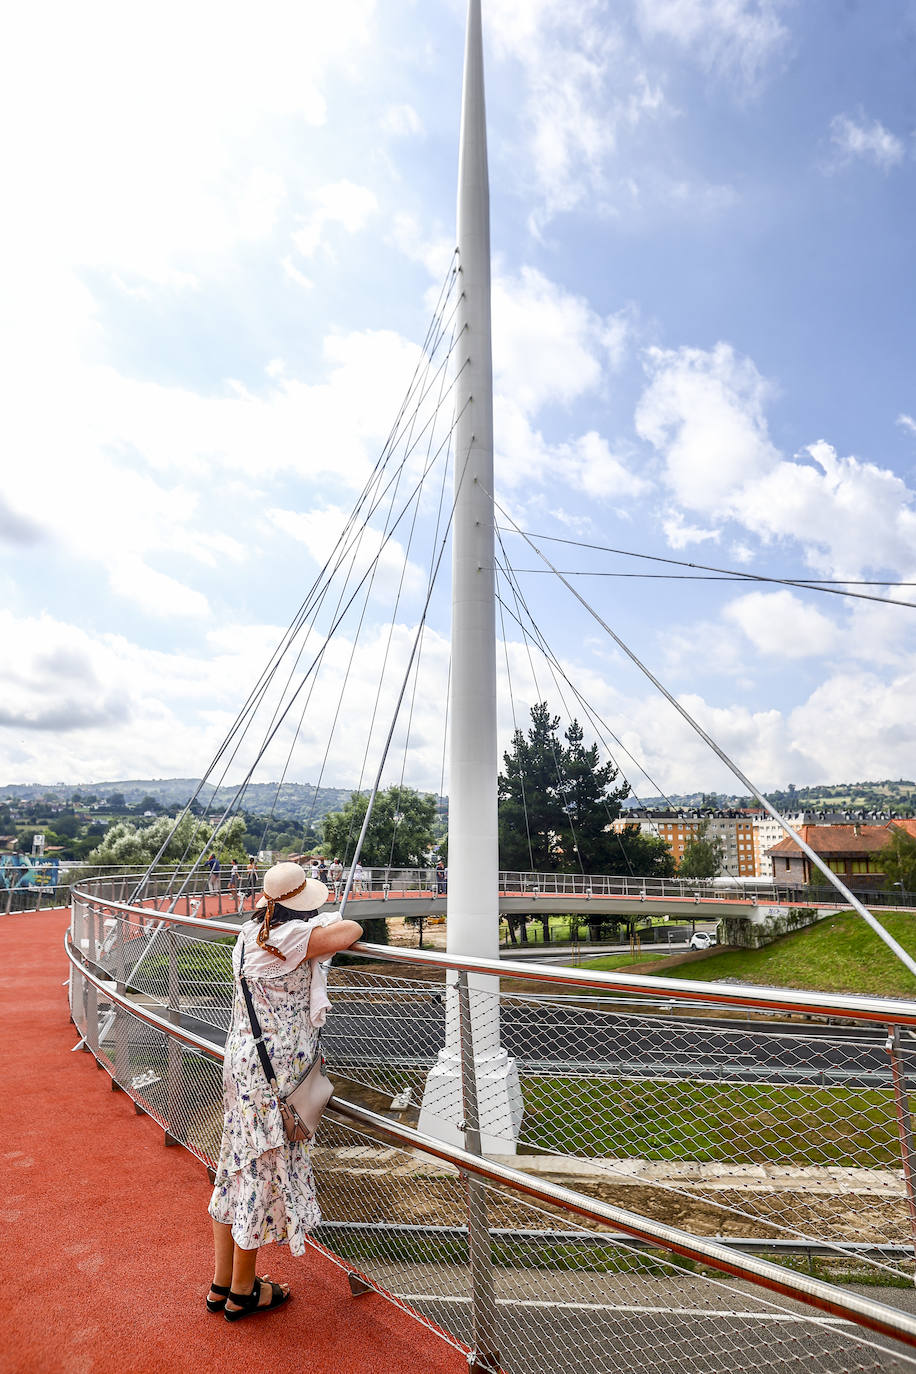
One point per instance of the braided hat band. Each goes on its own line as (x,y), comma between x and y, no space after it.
(264,932)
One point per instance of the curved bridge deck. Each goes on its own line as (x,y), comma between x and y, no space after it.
(108,1249)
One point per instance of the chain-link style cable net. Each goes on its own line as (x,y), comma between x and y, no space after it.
(555,1295)
(747,1130)
(542,1294)
(178,1085)
(755,1130)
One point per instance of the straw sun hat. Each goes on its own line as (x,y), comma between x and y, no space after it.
(289,886)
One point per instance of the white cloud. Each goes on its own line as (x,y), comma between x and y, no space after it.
(679,534)
(551,348)
(294,274)
(584,88)
(344,204)
(833,506)
(154,592)
(857,725)
(133,463)
(320,530)
(740,37)
(866,139)
(907,422)
(434,251)
(402,121)
(549,345)
(704,413)
(138,149)
(779,624)
(80,707)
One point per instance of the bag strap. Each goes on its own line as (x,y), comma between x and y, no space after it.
(256,1026)
(256,1031)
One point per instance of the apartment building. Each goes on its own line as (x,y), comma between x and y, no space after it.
(735,830)
(755,846)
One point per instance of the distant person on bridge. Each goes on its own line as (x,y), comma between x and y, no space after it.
(335,874)
(441,878)
(359,879)
(213,865)
(265,1191)
(252,878)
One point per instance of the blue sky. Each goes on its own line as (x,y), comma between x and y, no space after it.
(231,228)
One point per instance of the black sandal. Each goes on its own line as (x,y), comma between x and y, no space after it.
(217,1304)
(246,1303)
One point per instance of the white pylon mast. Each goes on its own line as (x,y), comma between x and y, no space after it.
(473,854)
(473,850)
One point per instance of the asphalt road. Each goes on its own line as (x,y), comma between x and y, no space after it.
(410,1033)
(664,1330)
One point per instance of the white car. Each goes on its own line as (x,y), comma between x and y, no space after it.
(701,939)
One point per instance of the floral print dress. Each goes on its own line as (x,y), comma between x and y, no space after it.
(265,1188)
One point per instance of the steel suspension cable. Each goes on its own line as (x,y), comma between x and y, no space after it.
(738,574)
(515,729)
(314,665)
(595,720)
(561,785)
(593,714)
(378,776)
(806,849)
(257,692)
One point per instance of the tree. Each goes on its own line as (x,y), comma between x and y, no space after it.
(126,845)
(529,814)
(702,858)
(116,802)
(588,801)
(641,855)
(556,800)
(400,832)
(898,859)
(556,804)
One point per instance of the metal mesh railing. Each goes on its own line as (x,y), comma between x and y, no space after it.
(771,1135)
(556,1295)
(758,1130)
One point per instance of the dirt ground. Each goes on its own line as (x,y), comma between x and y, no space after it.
(428,1197)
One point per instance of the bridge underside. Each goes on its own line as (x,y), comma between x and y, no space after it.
(561,903)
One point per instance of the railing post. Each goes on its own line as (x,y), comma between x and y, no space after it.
(483,1299)
(904,1126)
(122,1048)
(173,1095)
(91,1041)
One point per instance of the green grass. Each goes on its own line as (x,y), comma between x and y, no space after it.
(610,962)
(741,1123)
(839,954)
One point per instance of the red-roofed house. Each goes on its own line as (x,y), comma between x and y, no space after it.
(851,851)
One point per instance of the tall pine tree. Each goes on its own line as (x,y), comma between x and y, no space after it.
(588,801)
(529,819)
(556,799)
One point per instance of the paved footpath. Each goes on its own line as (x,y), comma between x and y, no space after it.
(105,1250)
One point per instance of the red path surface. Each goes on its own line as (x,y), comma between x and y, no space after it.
(106,1253)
